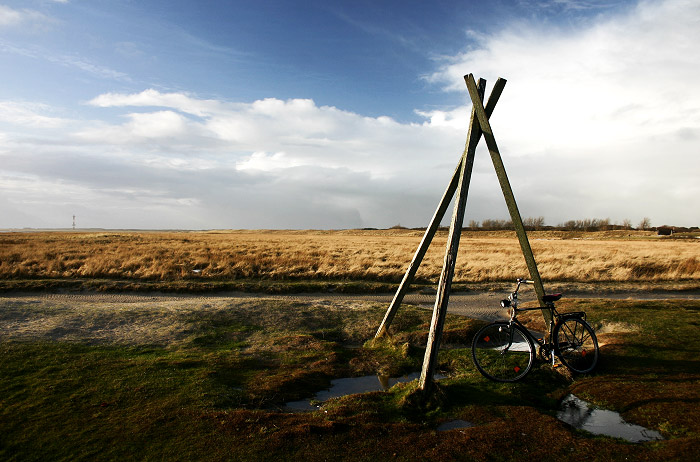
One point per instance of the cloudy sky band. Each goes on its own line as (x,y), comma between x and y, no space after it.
(599,119)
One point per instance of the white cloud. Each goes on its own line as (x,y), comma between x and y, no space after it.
(9,17)
(154,98)
(615,78)
(25,18)
(611,107)
(141,128)
(28,114)
(263,161)
(297,132)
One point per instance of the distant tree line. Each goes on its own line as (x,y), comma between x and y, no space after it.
(587,224)
(530,223)
(595,224)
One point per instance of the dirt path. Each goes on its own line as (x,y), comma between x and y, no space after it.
(479,305)
(168,319)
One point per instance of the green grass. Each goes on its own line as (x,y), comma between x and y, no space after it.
(186,381)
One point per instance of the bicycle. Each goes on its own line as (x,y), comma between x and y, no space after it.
(505,350)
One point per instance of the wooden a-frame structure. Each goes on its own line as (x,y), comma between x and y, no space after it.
(478,126)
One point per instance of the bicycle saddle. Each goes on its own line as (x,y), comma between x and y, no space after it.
(551,298)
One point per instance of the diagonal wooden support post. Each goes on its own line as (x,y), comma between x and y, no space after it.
(445,284)
(437,218)
(507,191)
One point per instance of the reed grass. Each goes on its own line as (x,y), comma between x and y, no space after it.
(372,255)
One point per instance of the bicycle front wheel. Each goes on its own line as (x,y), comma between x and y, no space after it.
(503,352)
(576,345)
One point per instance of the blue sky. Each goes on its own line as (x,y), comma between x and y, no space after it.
(322,114)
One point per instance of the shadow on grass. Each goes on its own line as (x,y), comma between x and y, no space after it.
(615,359)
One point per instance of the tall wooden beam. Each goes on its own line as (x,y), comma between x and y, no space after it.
(437,218)
(507,191)
(448,267)
(478,125)
(420,253)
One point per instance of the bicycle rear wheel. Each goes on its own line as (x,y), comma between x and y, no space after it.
(576,345)
(503,352)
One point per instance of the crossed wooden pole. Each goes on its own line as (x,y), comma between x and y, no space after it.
(478,126)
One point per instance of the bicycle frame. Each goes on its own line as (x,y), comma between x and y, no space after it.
(545,343)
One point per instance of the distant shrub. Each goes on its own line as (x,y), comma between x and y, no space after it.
(587,224)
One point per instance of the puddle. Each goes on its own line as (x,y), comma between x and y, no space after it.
(351,386)
(454,425)
(581,415)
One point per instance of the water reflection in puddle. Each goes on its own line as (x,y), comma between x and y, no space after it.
(351,386)
(581,415)
(454,425)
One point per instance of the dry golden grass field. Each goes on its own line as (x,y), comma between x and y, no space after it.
(358,255)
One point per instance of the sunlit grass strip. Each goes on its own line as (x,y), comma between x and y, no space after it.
(341,255)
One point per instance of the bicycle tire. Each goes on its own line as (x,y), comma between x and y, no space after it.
(500,355)
(576,345)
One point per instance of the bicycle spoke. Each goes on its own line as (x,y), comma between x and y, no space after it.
(503,353)
(576,345)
